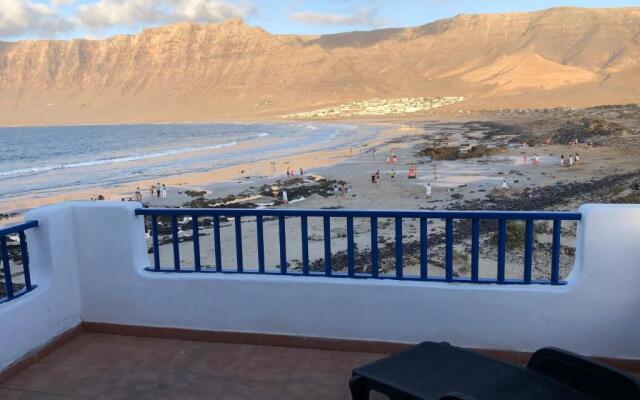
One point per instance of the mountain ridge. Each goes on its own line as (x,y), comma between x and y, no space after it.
(194,72)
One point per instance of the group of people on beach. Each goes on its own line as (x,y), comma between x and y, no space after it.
(291,172)
(158,190)
(375,177)
(573,159)
(535,160)
(340,191)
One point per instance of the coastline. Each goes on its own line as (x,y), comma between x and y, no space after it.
(608,171)
(308,160)
(404,134)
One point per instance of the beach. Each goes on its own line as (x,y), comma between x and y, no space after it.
(471,163)
(214,153)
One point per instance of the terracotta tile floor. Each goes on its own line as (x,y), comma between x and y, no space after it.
(98,366)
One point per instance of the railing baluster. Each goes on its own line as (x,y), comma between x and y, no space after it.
(528,250)
(8,283)
(502,248)
(156,247)
(304,227)
(216,243)
(260,233)
(283,244)
(327,246)
(176,243)
(238,225)
(351,262)
(24,251)
(196,243)
(374,247)
(475,249)
(449,250)
(424,245)
(555,252)
(399,248)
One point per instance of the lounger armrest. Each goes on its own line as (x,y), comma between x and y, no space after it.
(457,396)
(586,375)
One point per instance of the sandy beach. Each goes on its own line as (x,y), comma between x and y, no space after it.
(307,158)
(606,172)
(438,150)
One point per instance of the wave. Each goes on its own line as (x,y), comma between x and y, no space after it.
(115,160)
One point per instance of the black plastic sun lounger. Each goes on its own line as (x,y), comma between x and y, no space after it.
(438,371)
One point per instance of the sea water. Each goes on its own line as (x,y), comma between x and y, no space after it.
(40,161)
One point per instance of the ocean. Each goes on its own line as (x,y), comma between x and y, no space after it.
(41,161)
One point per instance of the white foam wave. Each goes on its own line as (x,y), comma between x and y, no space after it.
(137,157)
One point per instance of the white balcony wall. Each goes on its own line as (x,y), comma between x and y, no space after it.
(32,320)
(596,313)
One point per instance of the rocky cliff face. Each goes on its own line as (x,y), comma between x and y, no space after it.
(186,71)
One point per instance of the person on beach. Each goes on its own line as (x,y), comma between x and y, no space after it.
(288,171)
(536,159)
(427,188)
(505,185)
(577,158)
(413,172)
(393,174)
(378,176)
(571,160)
(285,198)
(562,160)
(392,159)
(301,171)
(164,191)
(374,151)
(158,188)
(336,192)
(152,189)
(373,178)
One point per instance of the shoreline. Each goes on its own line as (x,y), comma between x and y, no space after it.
(308,160)
(608,172)
(404,135)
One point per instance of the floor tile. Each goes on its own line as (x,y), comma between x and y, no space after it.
(101,366)
(10,394)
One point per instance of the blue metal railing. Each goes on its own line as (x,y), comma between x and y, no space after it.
(474,217)
(10,289)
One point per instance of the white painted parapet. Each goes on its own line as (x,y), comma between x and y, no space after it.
(32,320)
(596,313)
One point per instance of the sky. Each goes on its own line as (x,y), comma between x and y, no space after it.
(65,19)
